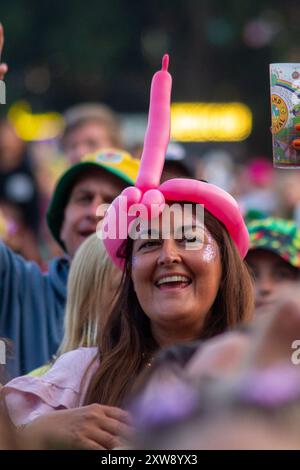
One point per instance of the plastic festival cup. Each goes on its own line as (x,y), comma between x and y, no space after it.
(285,109)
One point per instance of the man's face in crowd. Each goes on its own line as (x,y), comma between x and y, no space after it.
(272,278)
(93,188)
(86,138)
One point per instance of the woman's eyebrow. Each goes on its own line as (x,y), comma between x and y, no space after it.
(149,233)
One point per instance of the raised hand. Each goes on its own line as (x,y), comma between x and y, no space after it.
(3,66)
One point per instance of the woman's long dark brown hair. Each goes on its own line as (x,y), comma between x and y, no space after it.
(126,340)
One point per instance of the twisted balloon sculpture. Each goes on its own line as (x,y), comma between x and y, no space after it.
(148,191)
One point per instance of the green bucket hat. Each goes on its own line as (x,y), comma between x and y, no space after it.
(277,235)
(117,162)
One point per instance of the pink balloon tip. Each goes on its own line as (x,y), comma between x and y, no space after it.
(165,62)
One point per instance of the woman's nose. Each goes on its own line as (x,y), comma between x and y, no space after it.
(169,253)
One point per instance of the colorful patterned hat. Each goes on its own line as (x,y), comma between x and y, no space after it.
(278,235)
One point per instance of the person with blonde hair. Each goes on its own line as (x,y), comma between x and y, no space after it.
(92,285)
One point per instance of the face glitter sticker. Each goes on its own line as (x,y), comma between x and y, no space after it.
(210,251)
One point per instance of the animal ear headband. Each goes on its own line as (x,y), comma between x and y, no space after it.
(147,190)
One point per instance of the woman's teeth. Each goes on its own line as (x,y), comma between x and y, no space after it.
(173,279)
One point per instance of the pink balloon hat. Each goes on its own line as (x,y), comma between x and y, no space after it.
(148,191)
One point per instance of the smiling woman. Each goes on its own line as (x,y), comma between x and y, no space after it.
(169,294)
(176,281)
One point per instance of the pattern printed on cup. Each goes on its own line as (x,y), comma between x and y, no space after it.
(285,109)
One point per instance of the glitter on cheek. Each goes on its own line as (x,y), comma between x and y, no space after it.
(210,250)
(135,270)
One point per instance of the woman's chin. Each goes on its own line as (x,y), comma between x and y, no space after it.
(171,310)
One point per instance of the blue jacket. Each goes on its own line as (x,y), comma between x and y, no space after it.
(31,310)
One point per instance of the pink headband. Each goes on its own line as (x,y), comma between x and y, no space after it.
(148,191)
